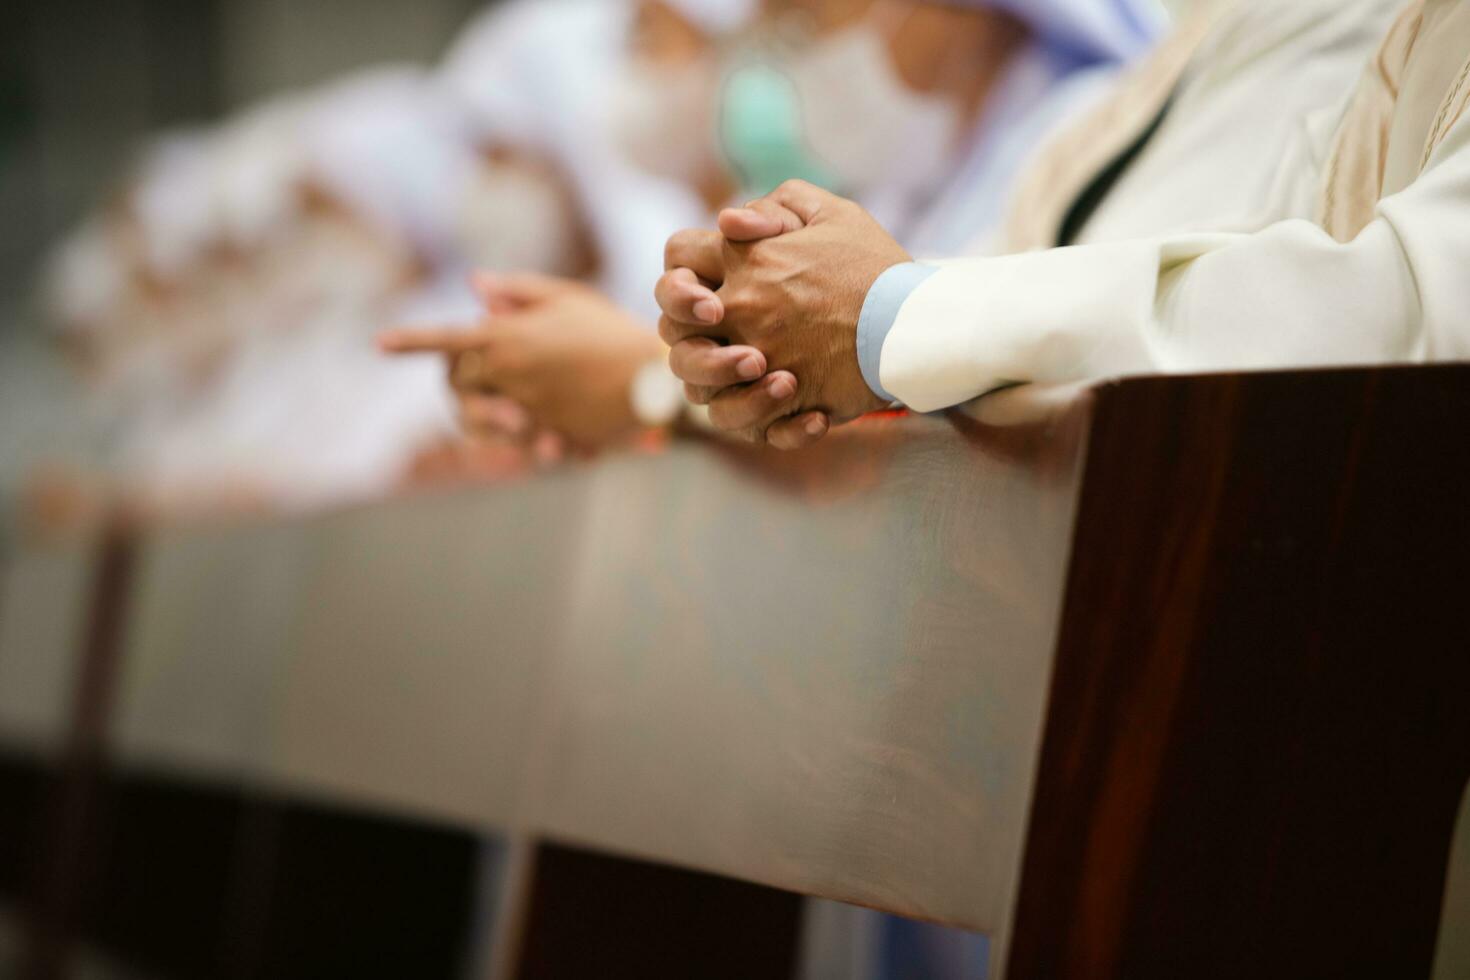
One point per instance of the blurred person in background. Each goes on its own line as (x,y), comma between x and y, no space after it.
(924,108)
(240,274)
(593,65)
(223,305)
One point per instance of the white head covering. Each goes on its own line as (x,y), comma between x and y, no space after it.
(519,67)
(234,184)
(536,76)
(173,202)
(1087,30)
(394,150)
(715,17)
(256,160)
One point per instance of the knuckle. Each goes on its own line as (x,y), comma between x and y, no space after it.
(682,246)
(740,301)
(673,248)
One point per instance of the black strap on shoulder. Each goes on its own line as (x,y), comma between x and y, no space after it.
(1102,185)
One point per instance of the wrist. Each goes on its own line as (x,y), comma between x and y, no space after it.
(880,310)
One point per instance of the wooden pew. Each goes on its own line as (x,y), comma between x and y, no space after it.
(1155,678)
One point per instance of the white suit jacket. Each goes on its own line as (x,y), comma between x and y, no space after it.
(1386,283)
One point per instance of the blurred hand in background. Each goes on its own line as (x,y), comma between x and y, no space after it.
(551,356)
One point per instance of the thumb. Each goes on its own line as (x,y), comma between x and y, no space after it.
(758,220)
(807,201)
(504,293)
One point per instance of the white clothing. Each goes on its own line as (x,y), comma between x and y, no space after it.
(1264,87)
(388,145)
(1289,295)
(715,17)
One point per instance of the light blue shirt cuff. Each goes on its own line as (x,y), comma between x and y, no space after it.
(880,311)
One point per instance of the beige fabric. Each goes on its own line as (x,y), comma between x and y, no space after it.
(1071,162)
(1398,117)
(1255,90)
(1354,177)
(1255,112)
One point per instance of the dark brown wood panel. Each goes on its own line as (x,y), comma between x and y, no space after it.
(1259,724)
(72,823)
(187,878)
(590,915)
(24,781)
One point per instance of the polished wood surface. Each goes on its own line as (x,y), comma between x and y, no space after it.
(1154,678)
(1259,726)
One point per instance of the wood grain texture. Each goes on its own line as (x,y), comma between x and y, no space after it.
(1259,726)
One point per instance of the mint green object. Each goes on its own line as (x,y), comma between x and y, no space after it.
(761,131)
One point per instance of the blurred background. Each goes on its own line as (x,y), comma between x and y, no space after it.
(82,85)
(107,107)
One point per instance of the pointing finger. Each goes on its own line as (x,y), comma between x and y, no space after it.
(429,340)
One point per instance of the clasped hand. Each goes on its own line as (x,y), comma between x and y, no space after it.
(762,315)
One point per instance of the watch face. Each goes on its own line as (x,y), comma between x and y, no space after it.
(658,396)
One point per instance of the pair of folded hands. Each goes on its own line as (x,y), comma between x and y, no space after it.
(761,315)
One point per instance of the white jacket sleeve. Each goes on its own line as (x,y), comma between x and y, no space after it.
(1289,295)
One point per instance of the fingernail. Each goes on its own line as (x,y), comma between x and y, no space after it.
(815,427)
(706,311)
(782,389)
(749,368)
